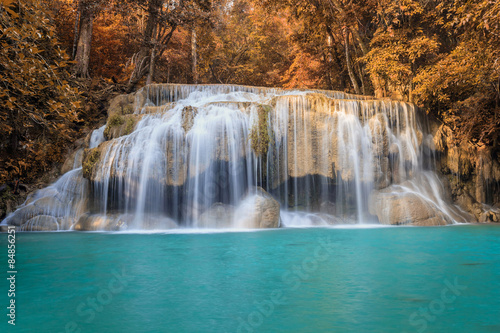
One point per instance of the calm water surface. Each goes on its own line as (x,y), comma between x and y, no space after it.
(440,279)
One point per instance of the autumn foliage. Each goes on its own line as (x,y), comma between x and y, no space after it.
(38,105)
(442,55)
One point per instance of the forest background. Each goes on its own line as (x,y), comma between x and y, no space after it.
(61,60)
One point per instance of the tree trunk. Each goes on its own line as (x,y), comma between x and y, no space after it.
(151,71)
(194,56)
(143,57)
(338,6)
(76,30)
(361,75)
(329,58)
(14,142)
(352,76)
(84,41)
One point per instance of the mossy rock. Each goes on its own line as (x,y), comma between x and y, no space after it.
(91,158)
(114,121)
(259,136)
(188,115)
(121,105)
(119,125)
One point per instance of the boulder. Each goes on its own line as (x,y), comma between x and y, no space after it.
(89,222)
(47,206)
(41,223)
(45,192)
(22,215)
(116,222)
(52,206)
(405,208)
(258,210)
(121,105)
(65,223)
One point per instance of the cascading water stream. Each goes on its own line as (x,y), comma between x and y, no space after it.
(196,156)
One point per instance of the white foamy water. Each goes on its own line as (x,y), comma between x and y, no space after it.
(191,159)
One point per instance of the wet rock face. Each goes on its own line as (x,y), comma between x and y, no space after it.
(41,223)
(380,140)
(182,137)
(258,210)
(473,172)
(165,143)
(188,115)
(217,216)
(122,105)
(74,160)
(396,208)
(121,222)
(316,134)
(120,125)
(89,222)
(54,207)
(47,206)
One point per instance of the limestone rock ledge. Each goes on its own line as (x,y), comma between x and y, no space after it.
(472,171)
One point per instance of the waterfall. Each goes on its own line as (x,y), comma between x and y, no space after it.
(207,155)
(97,137)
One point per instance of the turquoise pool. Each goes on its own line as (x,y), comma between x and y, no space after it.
(406,279)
